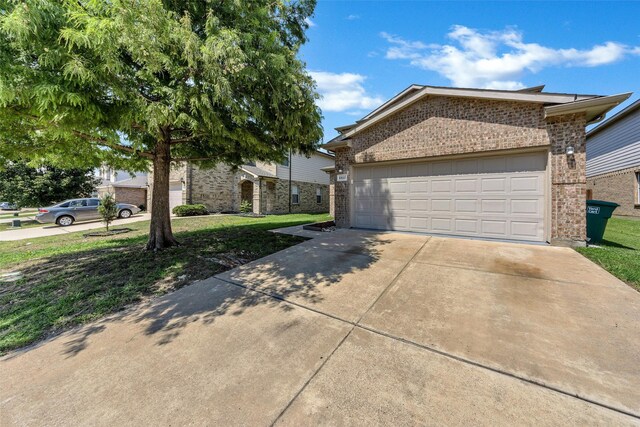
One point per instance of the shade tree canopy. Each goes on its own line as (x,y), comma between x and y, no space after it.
(144,83)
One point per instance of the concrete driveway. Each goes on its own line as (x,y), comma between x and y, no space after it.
(353,328)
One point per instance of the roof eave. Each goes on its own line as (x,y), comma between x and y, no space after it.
(333,146)
(595,108)
(539,98)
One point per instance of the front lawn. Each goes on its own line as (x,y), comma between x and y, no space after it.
(66,280)
(619,252)
(26,223)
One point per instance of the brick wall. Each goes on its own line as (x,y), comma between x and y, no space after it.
(134,196)
(568,178)
(442,126)
(620,187)
(307,197)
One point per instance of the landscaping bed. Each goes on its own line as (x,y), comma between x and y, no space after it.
(619,252)
(50,284)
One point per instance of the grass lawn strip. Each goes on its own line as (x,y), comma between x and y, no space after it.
(619,252)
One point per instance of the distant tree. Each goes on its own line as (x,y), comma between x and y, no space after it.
(25,185)
(108,209)
(138,82)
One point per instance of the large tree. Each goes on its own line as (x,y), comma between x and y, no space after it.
(26,185)
(133,82)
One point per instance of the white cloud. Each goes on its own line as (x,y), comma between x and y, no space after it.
(496,59)
(309,22)
(343,92)
(353,17)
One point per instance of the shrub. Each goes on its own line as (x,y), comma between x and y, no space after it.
(108,209)
(190,210)
(246,207)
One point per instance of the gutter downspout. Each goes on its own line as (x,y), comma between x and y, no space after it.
(290,167)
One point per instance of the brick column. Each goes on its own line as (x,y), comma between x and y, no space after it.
(568,180)
(341,191)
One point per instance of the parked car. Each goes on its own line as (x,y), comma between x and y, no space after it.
(6,206)
(70,211)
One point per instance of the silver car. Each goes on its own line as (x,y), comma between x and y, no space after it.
(70,211)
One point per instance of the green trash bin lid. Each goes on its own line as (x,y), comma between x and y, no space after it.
(602,203)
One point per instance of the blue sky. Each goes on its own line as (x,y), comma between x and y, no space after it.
(361,53)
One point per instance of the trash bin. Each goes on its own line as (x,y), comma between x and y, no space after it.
(598,213)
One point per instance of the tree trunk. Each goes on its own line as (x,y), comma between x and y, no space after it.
(160,234)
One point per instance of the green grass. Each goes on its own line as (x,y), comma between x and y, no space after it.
(25,224)
(68,280)
(619,252)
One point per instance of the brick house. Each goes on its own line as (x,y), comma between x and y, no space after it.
(469,162)
(124,186)
(265,185)
(613,161)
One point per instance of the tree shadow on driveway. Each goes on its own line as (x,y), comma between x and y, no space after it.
(64,291)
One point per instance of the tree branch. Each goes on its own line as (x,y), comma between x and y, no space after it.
(113,145)
(185,139)
(190,159)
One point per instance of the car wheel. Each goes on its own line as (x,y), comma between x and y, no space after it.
(125,213)
(65,220)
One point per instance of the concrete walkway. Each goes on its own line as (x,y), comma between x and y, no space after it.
(353,328)
(56,230)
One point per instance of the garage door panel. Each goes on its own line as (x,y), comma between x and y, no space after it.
(465,167)
(525,229)
(494,206)
(441,185)
(526,184)
(441,168)
(466,185)
(526,206)
(421,224)
(493,185)
(441,205)
(497,197)
(494,228)
(466,225)
(466,205)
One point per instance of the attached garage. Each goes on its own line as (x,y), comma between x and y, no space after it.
(469,162)
(491,197)
(175,194)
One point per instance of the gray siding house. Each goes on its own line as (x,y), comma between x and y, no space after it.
(613,161)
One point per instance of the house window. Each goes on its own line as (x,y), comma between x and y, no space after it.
(318,195)
(638,188)
(285,162)
(295,195)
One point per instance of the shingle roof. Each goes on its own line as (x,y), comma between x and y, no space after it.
(256,171)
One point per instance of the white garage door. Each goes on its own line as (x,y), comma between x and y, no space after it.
(494,197)
(175,195)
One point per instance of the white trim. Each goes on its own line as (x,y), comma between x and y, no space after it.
(391,101)
(539,98)
(594,107)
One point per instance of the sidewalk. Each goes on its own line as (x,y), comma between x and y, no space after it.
(55,230)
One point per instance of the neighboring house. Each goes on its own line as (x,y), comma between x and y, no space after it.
(469,162)
(124,186)
(613,161)
(266,186)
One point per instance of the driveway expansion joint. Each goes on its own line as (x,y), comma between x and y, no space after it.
(460,359)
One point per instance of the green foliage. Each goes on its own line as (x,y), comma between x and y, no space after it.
(87,82)
(190,210)
(43,185)
(108,209)
(246,207)
(619,252)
